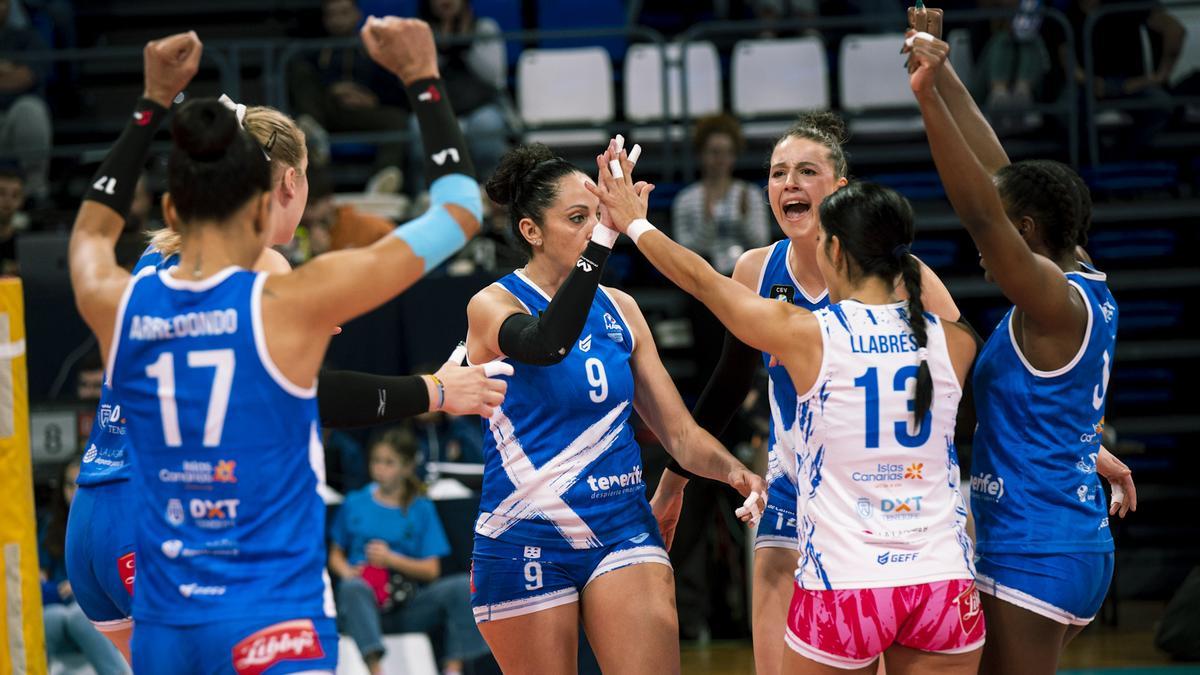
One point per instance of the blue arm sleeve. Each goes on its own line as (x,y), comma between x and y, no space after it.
(435,235)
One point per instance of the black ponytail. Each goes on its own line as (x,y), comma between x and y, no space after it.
(875,227)
(910,272)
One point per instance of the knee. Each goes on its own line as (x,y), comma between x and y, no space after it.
(30,109)
(354,589)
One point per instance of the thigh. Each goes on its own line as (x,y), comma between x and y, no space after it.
(630,619)
(1019,641)
(772,594)
(796,664)
(903,660)
(541,643)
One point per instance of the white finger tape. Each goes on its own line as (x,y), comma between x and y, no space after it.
(620,142)
(494,368)
(635,153)
(614,165)
(908,42)
(751,506)
(1118,495)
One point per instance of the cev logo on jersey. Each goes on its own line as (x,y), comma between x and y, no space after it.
(613,327)
(896,558)
(987,488)
(1096,434)
(286,641)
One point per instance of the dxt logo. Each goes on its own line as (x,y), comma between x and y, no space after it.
(219,509)
(903,505)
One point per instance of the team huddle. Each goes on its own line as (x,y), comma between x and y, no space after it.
(865,554)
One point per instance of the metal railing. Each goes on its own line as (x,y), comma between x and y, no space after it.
(229,58)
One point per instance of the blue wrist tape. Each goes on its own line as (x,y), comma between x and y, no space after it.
(435,236)
(460,190)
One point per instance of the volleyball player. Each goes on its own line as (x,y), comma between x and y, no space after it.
(883,568)
(100,537)
(565,533)
(1045,549)
(216,367)
(807,164)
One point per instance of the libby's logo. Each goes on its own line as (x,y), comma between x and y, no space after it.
(287,641)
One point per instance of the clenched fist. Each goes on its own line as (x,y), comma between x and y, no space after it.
(402,46)
(169,65)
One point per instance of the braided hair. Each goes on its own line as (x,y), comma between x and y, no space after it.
(1053,196)
(526,181)
(875,227)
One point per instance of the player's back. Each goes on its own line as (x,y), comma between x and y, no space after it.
(1034,486)
(230,522)
(878,497)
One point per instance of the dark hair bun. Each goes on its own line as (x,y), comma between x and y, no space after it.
(827,123)
(204,129)
(515,166)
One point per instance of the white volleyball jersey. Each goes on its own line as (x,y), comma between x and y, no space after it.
(878,501)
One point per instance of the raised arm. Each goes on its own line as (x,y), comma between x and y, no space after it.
(98,282)
(979,135)
(1032,282)
(338,286)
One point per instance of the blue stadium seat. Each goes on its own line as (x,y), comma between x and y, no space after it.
(1133,244)
(572,14)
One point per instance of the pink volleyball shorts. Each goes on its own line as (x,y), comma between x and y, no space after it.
(851,628)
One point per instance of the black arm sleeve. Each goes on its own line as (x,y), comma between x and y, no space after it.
(441,137)
(348,399)
(725,391)
(547,339)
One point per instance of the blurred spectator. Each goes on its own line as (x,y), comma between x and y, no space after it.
(328,226)
(386,545)
(777,10)
(475,70)
(342,89)
(68,630)
(12,197)
(448,438)
(1012,65)
(1120,69)
(25,131)
(720,216)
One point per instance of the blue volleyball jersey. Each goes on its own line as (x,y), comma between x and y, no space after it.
(560,459)
(229,520)
(776,281)
(1034,487)
(107,457)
